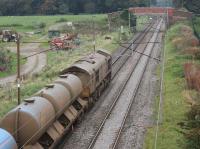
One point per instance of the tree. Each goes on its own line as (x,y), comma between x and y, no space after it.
(193,5)
(63,8)
(36,6)
(89,7)
(48,7)
(24,7)
(27,7)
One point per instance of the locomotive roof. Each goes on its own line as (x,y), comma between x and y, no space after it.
(88,64)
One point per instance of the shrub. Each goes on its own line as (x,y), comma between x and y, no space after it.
(192,75)
(193,127)
(186,30)
(42,25)
(61,20)
(179,43)
(194,51)
(5,61)
(38,25)
(124,36)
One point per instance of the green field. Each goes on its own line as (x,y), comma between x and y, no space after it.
(27,23)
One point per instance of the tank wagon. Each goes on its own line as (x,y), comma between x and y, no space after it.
(40,121)
(6,140)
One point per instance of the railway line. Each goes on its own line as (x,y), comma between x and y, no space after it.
(139,118)
(127,52)
(117,92)
(110,129)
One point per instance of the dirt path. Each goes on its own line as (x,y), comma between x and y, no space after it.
(33,65)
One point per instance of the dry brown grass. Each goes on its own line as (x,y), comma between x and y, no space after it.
(186,42)
(189,99)
(179,43)
(186,30)
(192,75)
(194,51)
(194,41)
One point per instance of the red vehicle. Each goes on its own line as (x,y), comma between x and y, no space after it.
(63,43)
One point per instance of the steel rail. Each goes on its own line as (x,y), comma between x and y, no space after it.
(131,103)
(139,37)
(129,47)
(114,103)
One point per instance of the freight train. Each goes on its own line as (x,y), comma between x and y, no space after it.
(42,120)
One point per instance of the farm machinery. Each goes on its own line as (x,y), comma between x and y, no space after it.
(66,42)
(8,35)
(53,33)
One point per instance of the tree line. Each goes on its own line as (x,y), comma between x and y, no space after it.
(193,5)
(51,7)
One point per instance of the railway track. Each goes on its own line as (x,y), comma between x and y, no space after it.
(111,127)
(127,52)
(125,55)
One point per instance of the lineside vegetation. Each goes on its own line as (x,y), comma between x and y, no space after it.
(176,130)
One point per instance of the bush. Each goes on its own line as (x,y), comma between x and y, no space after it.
(38,25)
(42,25)
(192,75)
(61,20)
(193,126)
(11,25)
(193,51)
(124,36)
(5,61)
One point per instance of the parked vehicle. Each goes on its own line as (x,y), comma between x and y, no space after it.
(53,33)
(8,35)
(66,42)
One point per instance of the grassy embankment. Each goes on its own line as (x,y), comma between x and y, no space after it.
(174,107)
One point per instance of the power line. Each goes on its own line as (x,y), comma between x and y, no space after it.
(37,53)
(141,53)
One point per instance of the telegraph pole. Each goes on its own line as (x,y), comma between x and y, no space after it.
(18,70)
